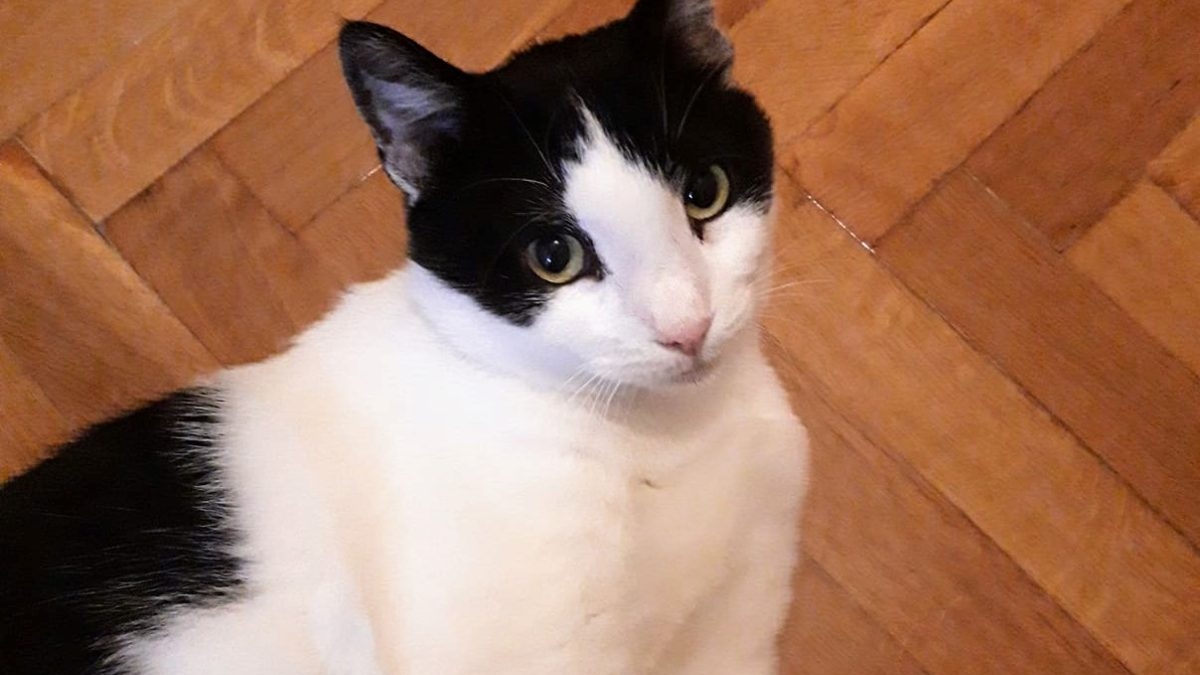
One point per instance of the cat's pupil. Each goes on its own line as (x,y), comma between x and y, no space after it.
(553,254)
(702,190)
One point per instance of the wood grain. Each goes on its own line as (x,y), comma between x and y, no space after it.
(919,565)
(882,148)
(362,236)
(494,29)
(111,138)
(105,341)
(1059,337)
(908,382)
(1084,140)
(828,634)
(302,145)
(1145,254)
(1177,169)
(583,15)
(237,278)
(35,32)
(31,423)
(802,57)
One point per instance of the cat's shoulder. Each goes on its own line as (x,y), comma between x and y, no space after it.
(780,441)
(119,526)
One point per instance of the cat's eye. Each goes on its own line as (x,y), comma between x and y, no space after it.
(706,193)
(557,258)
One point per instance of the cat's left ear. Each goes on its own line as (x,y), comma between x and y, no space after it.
(691,24)
(413,101)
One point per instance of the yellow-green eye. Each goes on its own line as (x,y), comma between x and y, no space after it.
(557,258)
(706,193)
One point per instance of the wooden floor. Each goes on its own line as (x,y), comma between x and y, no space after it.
(990,208)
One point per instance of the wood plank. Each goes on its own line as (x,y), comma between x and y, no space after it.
(237,278)
(361,237)
(922,112)
(1086,137)
(494,29)
(1177,169)
(800,58)
(303,144)
(914,387)
(584,15)
(730,12)
(111,138)
(921,567)
(31,422)
(828,634)
(78,322)
(580,16)
(1145,254)
(1001,284)
(71,39)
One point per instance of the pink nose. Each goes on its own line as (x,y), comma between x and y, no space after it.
(687,339)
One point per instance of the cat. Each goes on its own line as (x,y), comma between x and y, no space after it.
(548,444)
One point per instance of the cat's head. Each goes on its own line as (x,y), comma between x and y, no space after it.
(596,207)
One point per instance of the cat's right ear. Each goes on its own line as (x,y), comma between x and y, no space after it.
(690,24)
(412,100)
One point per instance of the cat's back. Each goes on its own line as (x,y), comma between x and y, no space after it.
(124,525)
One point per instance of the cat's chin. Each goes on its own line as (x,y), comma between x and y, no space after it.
(681,373)
(688,375)
(699,373)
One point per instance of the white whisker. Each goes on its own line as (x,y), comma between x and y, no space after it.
(696,95)
(528,134)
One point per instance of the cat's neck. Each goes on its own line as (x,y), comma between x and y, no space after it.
(483,339)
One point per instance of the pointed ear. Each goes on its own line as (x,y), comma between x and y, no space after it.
(689,23)
(412,100)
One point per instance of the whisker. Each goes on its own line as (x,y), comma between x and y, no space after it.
(528,134)
(487,181)
(578,372)
(594,399)
(611,396)
(696,95)
(584,387)
(662,93)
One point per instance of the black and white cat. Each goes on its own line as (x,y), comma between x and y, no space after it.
(548,445)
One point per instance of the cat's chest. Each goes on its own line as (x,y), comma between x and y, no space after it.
(523,553)
(533,535)
(529,535)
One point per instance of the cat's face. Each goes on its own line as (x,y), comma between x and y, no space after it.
(596,208)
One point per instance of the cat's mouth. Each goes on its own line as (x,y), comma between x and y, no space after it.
(698,373)
(695,372)
(667,377)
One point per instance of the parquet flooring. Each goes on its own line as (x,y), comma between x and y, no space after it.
(991,207)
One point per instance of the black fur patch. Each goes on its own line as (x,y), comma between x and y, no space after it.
(495,184)
(123,525)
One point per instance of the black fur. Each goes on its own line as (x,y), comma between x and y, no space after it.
(658,83)
(121,526)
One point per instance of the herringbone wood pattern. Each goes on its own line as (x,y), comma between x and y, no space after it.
(989,208)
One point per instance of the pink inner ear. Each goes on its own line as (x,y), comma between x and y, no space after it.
(409,97)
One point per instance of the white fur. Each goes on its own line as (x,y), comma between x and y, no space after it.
(424,489)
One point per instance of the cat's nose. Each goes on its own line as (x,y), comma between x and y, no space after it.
(688,338)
